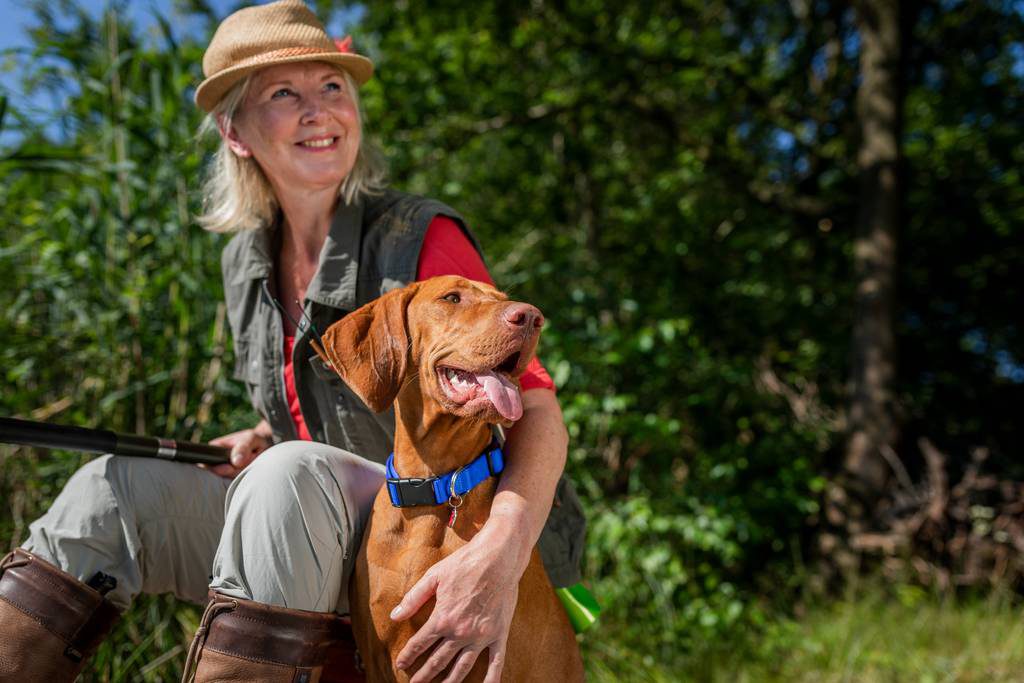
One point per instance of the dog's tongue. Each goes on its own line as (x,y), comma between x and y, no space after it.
(503,394)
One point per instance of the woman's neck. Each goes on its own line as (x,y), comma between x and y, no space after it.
(306,221)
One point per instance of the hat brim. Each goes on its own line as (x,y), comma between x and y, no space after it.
(210,91)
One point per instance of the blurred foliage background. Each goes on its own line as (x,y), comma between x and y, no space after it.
(677,186)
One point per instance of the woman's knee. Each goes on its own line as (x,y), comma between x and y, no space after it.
(102,496)
(139,490)
(136,483)
(92,486)
(293,512)
(92,471)
(151,524)
(306,469)
(296,462)
(86,511)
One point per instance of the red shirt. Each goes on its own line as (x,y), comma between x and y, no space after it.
(289,390)
(446,251)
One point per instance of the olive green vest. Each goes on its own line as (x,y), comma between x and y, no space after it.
(372,247)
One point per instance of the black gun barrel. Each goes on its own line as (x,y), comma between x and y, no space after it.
(45,435)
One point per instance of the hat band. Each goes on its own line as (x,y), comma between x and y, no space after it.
(283,53)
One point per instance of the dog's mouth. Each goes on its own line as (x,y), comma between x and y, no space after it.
(468,388)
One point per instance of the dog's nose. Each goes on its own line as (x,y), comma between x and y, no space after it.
(522,315)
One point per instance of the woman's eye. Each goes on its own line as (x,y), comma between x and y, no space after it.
(332,86)
(278,94)
(453,297)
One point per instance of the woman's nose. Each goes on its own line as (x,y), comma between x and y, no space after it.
(311,111)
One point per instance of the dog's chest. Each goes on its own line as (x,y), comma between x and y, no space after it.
(407,542)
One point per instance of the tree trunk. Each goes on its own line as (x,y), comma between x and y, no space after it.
(872,424)
(879,110)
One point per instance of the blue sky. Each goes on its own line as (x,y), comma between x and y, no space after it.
(16,16)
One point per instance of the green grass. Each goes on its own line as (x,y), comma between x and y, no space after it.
(900,635)
(881,637)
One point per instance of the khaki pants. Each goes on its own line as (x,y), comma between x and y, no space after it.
(285,532)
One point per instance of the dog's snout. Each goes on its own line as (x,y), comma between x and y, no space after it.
(522,315)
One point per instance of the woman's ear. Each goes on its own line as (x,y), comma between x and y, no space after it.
(230,135)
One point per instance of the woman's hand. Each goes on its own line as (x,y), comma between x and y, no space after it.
(476,588)
(245,445)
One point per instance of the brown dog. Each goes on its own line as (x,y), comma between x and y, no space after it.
(447,353)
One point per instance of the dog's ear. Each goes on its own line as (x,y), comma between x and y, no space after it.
(369,348)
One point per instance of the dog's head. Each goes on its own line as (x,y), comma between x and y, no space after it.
(461,344)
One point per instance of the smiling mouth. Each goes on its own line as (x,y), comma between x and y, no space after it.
(469,389)
(318,144)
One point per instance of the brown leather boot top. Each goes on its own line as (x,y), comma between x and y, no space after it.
(264,633)
(63,605)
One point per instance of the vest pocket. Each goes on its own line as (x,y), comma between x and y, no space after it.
(248,370)
(348,422)
(561,541)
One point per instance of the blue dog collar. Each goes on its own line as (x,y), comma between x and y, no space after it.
(411,492)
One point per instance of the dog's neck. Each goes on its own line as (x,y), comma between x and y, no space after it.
(430,442)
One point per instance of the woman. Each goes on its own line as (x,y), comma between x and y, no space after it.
(317,237)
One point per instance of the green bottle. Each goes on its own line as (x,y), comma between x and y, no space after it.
(581,606)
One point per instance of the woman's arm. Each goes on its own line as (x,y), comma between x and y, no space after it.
(478,585)
(537,446)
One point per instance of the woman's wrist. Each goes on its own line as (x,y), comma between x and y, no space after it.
(506,532)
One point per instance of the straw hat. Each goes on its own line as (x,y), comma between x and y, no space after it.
(265,35)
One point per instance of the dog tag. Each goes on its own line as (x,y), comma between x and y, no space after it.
(454,502)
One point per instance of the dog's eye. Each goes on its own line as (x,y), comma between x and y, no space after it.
(452,297)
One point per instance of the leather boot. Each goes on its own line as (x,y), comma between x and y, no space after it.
(50,622)
(242,640)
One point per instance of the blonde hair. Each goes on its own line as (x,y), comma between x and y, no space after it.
(237,195)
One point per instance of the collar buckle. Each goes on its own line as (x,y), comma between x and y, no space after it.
(437,490)
(410,492)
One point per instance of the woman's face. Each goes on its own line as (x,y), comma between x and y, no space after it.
(300,124)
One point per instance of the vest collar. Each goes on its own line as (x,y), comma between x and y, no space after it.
(256,247)
(337,273)
(436,490)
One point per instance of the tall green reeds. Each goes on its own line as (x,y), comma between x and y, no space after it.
(110,305)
